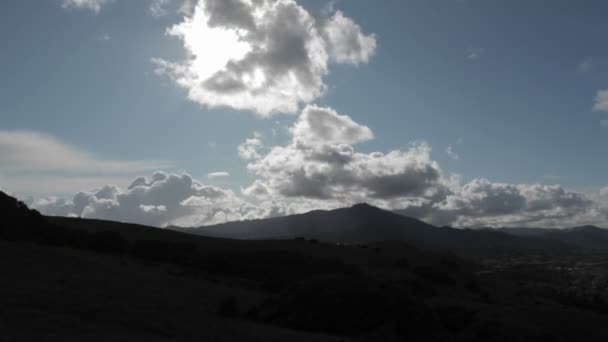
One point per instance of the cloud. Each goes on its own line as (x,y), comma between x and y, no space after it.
(322,125)
(219,174)
(53,184)
(165,199)
(249,149)
(160,200)
(320,162)
(586,65)
(601,101)
(451,153)
(92,5)
(274,54)
(105,37)
(158,8)
(474,53)
(484,203)
(37,152)
(346,42)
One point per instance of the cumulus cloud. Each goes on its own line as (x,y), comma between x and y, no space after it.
(36,152)
(274,54)
(249,149)
(322,125)
(320,165)
(345,41)
(320,162)
(481,202)
(160,200)
(166,199)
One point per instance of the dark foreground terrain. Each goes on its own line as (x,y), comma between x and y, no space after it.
(84,280)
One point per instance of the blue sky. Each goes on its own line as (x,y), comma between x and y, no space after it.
(509,86)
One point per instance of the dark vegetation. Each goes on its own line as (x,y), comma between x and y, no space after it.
(73,279)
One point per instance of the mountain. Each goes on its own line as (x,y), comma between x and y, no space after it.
(525,232)
(363,223)
(585,237)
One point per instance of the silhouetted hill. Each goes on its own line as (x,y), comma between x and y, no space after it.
(73,279)
(16,212)
(585,237)
(525,232)
(363,223)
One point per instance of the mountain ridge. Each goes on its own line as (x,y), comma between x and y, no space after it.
(363,223)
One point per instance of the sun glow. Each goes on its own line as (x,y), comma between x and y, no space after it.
(212,47)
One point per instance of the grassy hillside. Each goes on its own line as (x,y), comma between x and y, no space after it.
(74,279)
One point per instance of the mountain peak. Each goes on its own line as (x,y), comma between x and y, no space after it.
(364,206)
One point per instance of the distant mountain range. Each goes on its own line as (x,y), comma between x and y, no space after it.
(586,237)
(364,223)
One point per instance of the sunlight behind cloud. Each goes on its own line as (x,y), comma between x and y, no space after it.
(212,48)
(268,57)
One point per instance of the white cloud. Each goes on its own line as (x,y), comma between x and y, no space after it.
(92,5)
(322,125)
(451,153)
(158,8)
(320,163)
(273,56)
(601,101)
(36,152)
(481,202)
(218,174)
(345,41)
(249,149)
(161,200)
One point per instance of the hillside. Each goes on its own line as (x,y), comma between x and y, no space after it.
(363,223)
(74,279)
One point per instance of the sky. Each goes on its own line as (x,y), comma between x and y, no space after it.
(186,112)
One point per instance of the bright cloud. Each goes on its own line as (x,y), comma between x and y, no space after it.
(320,162)
(274,54)
(161,200)
(218,174)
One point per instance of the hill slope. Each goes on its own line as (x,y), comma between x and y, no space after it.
(75,279)
(363,223)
